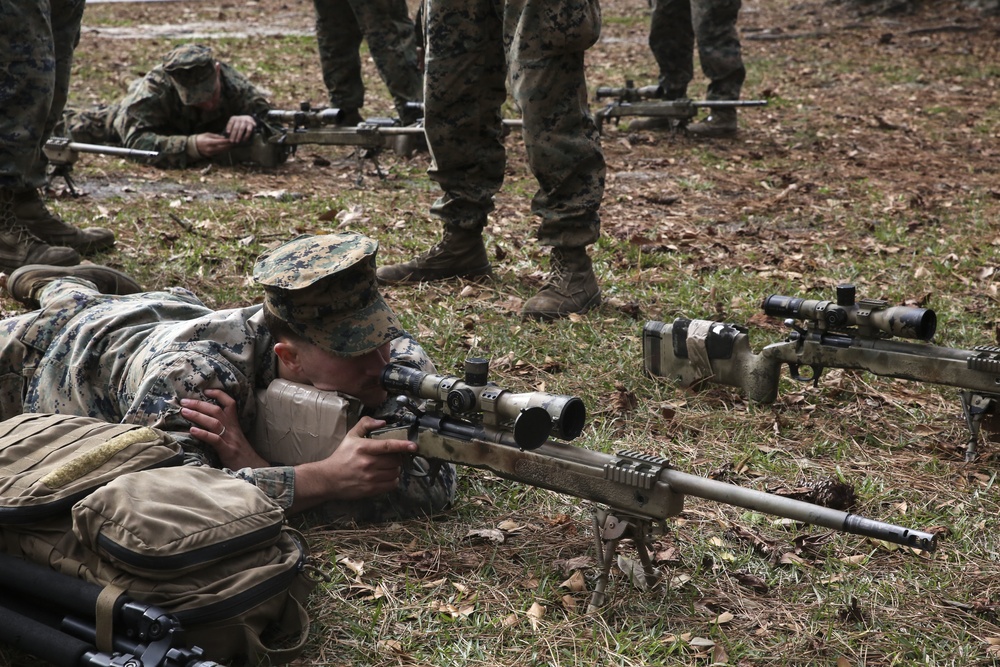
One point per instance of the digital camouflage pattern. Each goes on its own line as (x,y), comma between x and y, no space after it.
(324,288)
(37,40)
(674,27)
(192,70)
(131,359)
(152,116)
(473,47)
(341,25)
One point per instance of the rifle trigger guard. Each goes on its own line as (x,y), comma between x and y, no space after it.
(793,370)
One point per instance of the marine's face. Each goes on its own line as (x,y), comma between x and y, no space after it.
(356,376)
(213,103)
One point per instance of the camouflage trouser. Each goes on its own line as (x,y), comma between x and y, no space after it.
(473,47)
(90,126)
(341,25)
(37,39)
(675,26)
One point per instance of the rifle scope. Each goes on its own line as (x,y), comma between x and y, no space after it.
(475,396)
(868,315)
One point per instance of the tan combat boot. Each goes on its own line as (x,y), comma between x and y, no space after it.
(571,287)
(24,283)
(18,246)
(33,214)
(721,123)
(459,254)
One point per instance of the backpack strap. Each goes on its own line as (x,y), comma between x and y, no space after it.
(104,617)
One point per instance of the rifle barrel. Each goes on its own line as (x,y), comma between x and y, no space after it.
(797,510)
(110,150)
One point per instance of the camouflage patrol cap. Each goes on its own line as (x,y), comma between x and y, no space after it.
(191,68)
(324,288)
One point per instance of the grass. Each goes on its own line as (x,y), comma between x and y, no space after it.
(814,192)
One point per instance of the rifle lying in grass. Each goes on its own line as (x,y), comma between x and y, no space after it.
(63,154)
(475,423)
(648,102)
(372,135)
(843,334)
(72,623)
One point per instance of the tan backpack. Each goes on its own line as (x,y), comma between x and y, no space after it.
(110,504)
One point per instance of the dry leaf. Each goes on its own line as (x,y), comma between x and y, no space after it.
(575,583)
(487,534)
(843,662)
(535,615)
(391,645)
(724,617)
(355,566)
(719,655)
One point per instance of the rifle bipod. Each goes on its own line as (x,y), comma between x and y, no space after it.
(975,407)
(609,530)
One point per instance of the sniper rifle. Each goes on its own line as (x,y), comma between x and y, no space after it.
(849,333)
(647,102)
(517,436)
(69,622)
(63,153)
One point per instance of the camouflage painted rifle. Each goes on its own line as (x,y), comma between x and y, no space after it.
(647,102)
(475,423)
(62,154)
(324,127)
(847,333)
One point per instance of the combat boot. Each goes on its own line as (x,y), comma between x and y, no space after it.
(24,283)
(571,287)
(721,123)
(33,214)
(18,246)
(459,254)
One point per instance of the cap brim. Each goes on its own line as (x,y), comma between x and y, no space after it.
(360,333)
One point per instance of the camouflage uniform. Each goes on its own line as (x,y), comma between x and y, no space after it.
(675,26)
(389,31)
(131,358)
(473,47)
(36,54)
(152,116)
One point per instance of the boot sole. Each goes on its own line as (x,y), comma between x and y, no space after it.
(108,280)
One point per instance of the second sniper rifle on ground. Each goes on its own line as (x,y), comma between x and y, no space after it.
(648,102)
(475,423)
(847,333)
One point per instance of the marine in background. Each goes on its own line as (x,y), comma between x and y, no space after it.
(191,108)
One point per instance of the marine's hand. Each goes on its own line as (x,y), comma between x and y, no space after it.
(210,144)
(217,424)
(240,128)
(359,468)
